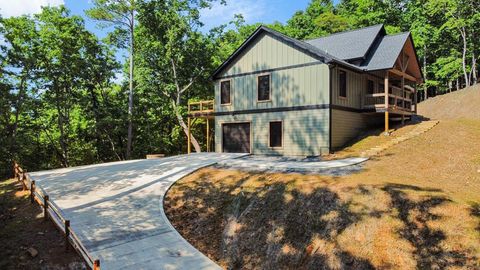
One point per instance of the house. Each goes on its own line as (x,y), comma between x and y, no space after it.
(276,95)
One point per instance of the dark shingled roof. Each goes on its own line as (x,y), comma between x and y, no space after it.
(365,49)
(385,52)
(349,45)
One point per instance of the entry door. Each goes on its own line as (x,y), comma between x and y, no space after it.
(236,138)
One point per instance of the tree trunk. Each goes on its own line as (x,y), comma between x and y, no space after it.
(130,93)
(195,143)
(61,127)
(425,90)
(474,69)
(464,56)
(458,84)
(18,108)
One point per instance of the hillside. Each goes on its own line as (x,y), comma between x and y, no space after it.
(456,105)
(415,206)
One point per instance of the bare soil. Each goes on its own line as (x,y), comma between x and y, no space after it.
(22,227)
(416,206)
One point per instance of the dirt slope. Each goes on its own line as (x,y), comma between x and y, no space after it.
(456,105)
(416,206)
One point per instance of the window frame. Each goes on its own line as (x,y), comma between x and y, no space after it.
(281,134)
(269,84)
(231,96)
(340,86)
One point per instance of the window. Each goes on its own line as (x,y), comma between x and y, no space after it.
(225,95)
(370,87)
(276,134)
(263,87)
(342,81)
(381,87)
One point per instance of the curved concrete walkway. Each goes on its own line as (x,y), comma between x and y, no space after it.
(289,164)
(116,209)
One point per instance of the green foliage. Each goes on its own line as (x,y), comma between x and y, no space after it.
(60,107)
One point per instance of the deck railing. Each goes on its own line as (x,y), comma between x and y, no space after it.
(396,100)
(206,106)
(52,211)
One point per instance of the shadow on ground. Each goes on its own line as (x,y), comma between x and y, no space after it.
(276,226)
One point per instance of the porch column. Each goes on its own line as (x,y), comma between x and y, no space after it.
(208,134)
(415,98)
(386,103)
(403,100)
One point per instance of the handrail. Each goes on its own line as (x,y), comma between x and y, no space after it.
(52,211)
(203,106)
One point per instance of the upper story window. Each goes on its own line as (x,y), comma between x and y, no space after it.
(263,87)
(370,87)
(342,83)
(225,92)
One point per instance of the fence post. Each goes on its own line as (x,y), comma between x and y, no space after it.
(24,177)
(45,206)
(32,192)
(96,265)
(67,233)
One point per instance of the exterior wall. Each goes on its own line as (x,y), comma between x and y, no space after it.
(305,132)
(297,79)
(356,88)
(266,52)
(291,84)
(346,126)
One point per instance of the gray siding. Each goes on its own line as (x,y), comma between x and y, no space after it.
(267,52)
(298,86)
(305,133)
(291,87)
(356,88)
(346,126)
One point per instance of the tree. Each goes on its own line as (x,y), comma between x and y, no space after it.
(121,14)
(175,54)
(21,52)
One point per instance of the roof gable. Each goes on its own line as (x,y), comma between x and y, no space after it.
(297,44)
(349,45)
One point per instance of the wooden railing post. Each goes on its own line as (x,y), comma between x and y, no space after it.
(24,176)
(96,265)
(45,207)
(67,233)
(32,192)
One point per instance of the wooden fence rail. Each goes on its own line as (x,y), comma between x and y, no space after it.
(52,211)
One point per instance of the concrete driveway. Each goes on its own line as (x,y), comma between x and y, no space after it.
(117,210)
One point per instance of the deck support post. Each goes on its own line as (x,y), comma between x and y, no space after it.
(45,207)
(32,192)
(189,136)
(67,234)
(208,134)
(386,103)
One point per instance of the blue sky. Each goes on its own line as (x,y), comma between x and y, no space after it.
(266,11)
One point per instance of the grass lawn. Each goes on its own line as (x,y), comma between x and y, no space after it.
(416,206)
(22,227)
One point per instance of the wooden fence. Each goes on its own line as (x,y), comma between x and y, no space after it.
(52,211)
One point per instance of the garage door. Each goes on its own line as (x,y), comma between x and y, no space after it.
(236,138)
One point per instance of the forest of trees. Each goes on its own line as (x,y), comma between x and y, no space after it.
(60,104)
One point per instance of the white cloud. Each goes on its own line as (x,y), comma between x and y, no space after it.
(252,11)
(10,8)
